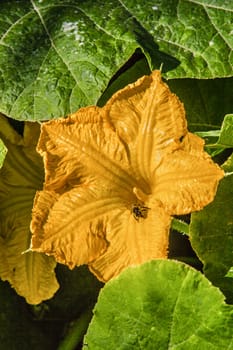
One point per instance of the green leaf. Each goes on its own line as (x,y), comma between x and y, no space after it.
(216,141)
(211,232)
(226,133)
(133,70)
(220,138)
(58,57)
(162,304)
(228,165)
(196,33)
(206,101)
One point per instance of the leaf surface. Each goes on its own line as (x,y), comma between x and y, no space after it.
(58,57)
(226,133)
(211,232)
(206,101)
(196,33)
(160,305)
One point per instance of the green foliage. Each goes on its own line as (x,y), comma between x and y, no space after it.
(225,137)
(211,232)
(206,101)
(160,305)
(57,56)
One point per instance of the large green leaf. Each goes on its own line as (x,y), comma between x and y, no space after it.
(211,232)
(206,101)
(57,56)
(160,305)
(197,33)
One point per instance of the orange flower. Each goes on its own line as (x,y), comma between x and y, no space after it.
(115,176)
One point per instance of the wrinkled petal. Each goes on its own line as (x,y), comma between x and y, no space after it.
(73,226)
(133,242)
(30,274)
(150,120)
(81,147)
(186,179)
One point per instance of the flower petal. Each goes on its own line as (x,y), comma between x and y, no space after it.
(186,179)
(81,147)
(30,274)
(133,242)
(149,119)
(72,226)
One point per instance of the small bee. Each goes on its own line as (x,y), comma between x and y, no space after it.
(139,211)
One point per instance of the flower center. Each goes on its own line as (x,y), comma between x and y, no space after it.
(139,211)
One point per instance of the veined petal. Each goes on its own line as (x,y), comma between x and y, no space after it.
(80,148)
(30,274)
(73,226)
(186,179)
(149,119)
(133,242)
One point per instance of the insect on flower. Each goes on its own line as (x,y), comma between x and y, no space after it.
(139,211)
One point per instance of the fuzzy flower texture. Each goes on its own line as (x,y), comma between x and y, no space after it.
(114,176)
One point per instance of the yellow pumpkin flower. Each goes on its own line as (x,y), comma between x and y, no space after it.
(115,176)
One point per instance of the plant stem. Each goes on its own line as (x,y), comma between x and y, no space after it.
(76,331)
(180,226)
